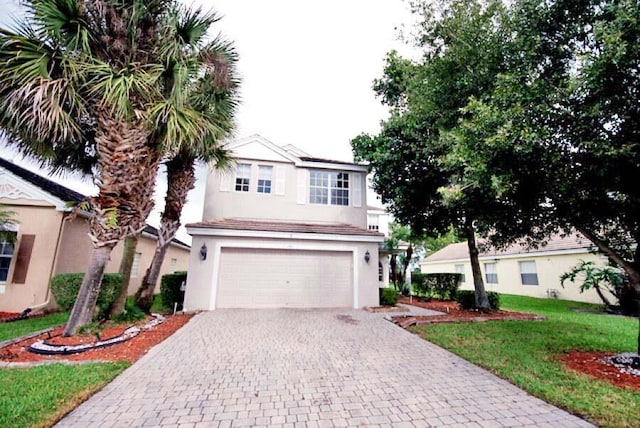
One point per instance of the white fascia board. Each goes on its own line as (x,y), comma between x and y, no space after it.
(260,139)
(331,166)
(232,233)
(513,256)
(29,191)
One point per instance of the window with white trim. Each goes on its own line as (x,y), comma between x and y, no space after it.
(265,175)
(6,255)
(491,273)
(136,264)
(460,269)
(172,265)
(373,222)
(528,273)
(328,188)
(243,176)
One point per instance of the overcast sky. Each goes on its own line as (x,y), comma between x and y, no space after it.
(306,68)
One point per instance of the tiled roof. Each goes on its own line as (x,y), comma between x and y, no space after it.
(288,227)
(60,192)
(556,243)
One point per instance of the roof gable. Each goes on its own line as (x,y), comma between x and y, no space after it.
(259,148)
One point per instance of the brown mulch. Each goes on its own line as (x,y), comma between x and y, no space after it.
(4,315)
(453,313)
(590,363)
(130,350)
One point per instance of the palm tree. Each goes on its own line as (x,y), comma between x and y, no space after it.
(88,77)
(8,223)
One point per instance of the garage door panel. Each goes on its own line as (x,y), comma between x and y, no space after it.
(259,278)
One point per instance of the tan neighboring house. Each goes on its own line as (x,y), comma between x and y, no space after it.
(48,242)
(522,271)
(283,229)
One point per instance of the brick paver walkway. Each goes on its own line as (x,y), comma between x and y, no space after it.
(308,368)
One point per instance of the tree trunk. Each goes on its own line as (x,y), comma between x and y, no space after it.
(128,254)
(84,307)
(181,179)
(482,301)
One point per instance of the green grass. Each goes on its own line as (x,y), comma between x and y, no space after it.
(10,330)
(525,352)
(39,396)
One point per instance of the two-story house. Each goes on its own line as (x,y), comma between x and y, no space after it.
(283,229)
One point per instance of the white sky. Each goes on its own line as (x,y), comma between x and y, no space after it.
(307,70)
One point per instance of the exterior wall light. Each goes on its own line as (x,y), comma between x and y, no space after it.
(367,256)
(203,252)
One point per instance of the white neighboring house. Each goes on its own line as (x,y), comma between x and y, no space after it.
(283,229)
(522,271)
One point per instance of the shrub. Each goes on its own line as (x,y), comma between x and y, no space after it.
(467,299)
(388,297)
(65,286)
(440,285)
(131,313)
(421,285)
(170,285)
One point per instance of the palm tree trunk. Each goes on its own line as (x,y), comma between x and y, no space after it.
(180,180)
(84,307)
(482,301)
(128,254)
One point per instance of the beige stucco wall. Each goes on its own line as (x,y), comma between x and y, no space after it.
(75,250)
(203,274)
(43,221)
(254,205)
(549,268)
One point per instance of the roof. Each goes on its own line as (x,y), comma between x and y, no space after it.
(57,190)
(287,227)
(62,192)
(460,250)
(320,160)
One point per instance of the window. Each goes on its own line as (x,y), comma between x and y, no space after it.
(6,254)
(264,178)
(172,265)
(136,264)
(491,273)
(328,188)
(243,175)
(528,274)
(460,269)
(373,222)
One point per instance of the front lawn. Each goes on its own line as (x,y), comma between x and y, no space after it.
(525,353)
(9,330)
(39,396)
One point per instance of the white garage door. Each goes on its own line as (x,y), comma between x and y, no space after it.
(263,278)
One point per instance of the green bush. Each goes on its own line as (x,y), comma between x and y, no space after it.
(421,285)
(131,313)
(170,289)
(440,285)
(388,297)
(467,299)
(65,288)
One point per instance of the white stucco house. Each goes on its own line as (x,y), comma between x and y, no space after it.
(283,229)
(520,270)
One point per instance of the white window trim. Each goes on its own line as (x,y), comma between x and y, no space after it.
(329,187)
(522,272)
(237,176)
(270,179)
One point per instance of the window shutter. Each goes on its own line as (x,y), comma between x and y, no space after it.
(226,180)
(280,180)
(23,259)
(302,187)
(356,192)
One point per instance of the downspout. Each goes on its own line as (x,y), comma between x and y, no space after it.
(53,265)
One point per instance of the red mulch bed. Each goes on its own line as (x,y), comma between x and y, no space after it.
(590,363)
(130,350)
(453,313)
(4,315)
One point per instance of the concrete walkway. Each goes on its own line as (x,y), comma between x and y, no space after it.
(308,368)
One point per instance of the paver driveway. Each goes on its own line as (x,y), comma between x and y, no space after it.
(308,368)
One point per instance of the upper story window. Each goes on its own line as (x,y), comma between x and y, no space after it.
(6,254)
(328,188)
(265,175)
(460,269)
(528,273)
(243,176)
(373,222)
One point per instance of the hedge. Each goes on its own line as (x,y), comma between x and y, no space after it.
(65,286)
(170,289)
(388,296)
(467,299)
(439,285)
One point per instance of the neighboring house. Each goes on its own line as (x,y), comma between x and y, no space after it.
(520,270)
(283,229)
(49,241)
